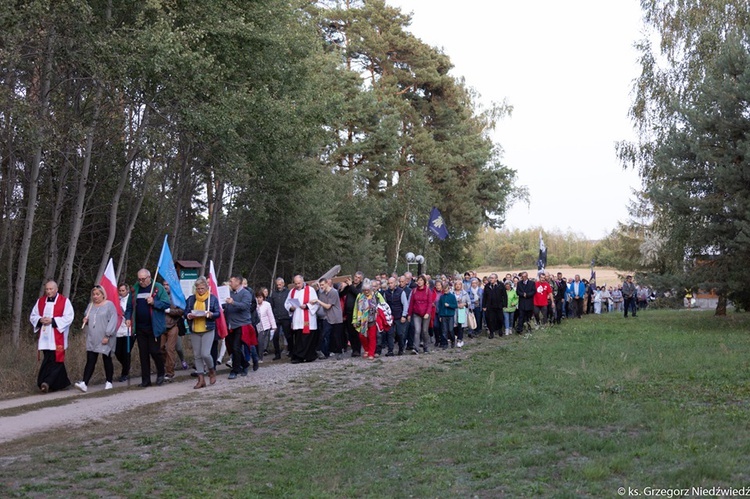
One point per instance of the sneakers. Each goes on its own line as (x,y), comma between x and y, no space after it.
(82,386)
(320,354)
(460,343)
(44,387)
(184,365)
(168,378)
(229,363)
(107,385)
(123,379)
(232,376)
(160,380)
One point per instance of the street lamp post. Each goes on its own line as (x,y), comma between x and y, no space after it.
(412,259)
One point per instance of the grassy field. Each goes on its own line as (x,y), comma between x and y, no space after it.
(659,401)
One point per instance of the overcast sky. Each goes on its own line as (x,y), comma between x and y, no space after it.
(567,69)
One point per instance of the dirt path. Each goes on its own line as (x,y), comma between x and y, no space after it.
(71,408)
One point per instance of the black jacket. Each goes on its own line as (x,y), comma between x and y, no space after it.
(526,294)
(494,296)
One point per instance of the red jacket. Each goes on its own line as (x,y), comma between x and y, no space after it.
(421,302)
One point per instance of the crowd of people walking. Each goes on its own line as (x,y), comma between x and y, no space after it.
(355,316)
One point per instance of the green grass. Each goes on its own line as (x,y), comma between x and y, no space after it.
(580,410)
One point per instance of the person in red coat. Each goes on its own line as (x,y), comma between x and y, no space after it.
(421,310)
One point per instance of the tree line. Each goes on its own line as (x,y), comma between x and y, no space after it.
(272,137)
(691,115)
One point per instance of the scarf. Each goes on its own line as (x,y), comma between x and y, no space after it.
(305,311)
(58,311)
(199,323)
(366,312)
(474,296)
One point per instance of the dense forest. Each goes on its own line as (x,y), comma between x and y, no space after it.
(272,137)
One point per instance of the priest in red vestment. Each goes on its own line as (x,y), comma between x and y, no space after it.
(302,304)
(51,317)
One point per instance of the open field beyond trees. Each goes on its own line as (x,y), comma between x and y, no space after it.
(660,401)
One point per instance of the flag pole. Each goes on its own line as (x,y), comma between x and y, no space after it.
(153,288)
(424,246)
(129,359)
(86,314)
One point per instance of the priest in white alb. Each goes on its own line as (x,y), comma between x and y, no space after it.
(302,303)
(51,317)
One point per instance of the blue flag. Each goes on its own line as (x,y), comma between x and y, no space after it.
(437,224)
(169,273)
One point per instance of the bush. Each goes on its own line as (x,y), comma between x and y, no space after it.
(667,302)
(575,261)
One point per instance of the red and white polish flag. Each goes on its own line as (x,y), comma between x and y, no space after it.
(221,321)
(109,283)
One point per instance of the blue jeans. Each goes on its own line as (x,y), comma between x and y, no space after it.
(325,335)
(508,319)
(401,331)
(397,332)
(446,330)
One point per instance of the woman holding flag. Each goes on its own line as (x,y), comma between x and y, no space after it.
(100,324)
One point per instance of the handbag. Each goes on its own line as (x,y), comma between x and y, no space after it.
(471,320)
